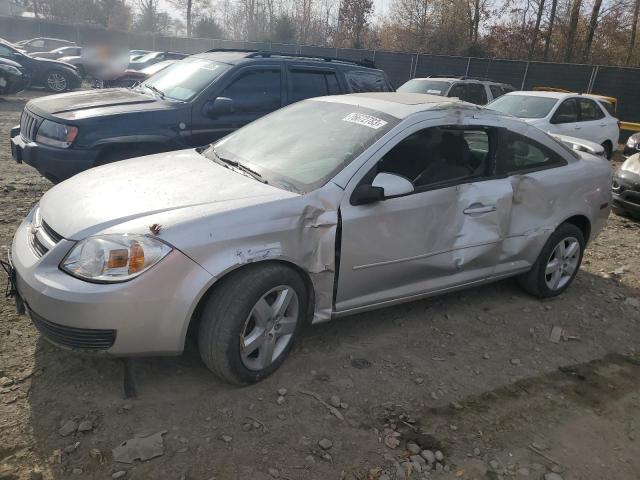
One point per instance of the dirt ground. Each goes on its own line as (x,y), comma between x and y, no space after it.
(472,375)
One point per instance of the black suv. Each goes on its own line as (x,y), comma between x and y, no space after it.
(188,104)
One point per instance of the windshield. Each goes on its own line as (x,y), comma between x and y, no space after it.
(302,146)
(185,79)
(147,56)
(523,106)
(419,85)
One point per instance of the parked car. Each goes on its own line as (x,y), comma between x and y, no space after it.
(12,77)
(154,57)
(626,187)
(325,208)
(59,53)
(77,62)
(632,146)
(54,75)
(133,54)
(468,89)
(43,44)
(580,116)
(129,77)
(190,103)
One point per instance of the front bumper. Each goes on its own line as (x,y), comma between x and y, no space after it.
(55,164)
(148,315)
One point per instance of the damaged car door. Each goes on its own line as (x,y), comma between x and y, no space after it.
(446,231)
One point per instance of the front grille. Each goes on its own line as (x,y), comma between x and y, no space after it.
(71,337)
(29,124)
(42,237)
(38,247)
(53,235)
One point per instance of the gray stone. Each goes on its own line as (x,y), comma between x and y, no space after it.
(119,474)
(274,472)
(325,444)
(68,428)
(5,382)
(439,456)
(77,471)
(428,455)
(476,452)
(516,362)
(439,467)
(334,401)
(416,467)
(413,448)
(35,475)
(552,476)
(226,438)
(418,459)
(85,426)
(282,392)
(494,464)
(280,400)
(384,476)
(523,472)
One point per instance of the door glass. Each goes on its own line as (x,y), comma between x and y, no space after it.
(567,112)
(477,94)
(519,153)
(255,92)
(37,43)
(309,84)
(440,155)
(458,90)
(363,81)
(5,52)
(496,91)
(589,111)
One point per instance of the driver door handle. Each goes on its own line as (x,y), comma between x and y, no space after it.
(479,209)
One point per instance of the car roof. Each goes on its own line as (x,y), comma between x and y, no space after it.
(234,57)
(400,104)
(535,93)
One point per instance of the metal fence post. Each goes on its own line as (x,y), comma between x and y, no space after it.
(415,67)
(466,74)
(524,77)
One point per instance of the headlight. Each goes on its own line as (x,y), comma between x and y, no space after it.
(632,141)
(10,69)
(113,258)
(56,134)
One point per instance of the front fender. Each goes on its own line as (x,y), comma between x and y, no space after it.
(138,139)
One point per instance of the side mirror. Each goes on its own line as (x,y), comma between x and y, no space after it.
(392,185)
(220,106)
(384,185)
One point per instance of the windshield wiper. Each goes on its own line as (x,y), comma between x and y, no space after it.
(238,165)
(155,89)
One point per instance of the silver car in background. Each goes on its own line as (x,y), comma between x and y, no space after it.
(325,208)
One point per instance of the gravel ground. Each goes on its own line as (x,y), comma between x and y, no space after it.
(466,385)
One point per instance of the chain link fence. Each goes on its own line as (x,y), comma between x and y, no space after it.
(620,82)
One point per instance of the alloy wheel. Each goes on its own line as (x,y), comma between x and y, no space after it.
(562,263)
(269,327)
(57,82)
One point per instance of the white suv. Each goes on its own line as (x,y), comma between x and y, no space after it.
(573,114)
(473,90)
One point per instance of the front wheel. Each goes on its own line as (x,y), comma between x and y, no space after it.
(57,81)
(250,322)
(557,264)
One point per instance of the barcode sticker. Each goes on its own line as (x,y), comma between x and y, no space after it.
(365,120)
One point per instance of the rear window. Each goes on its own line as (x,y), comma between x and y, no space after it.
(523,106)
(312,83)
(367,81)
(421,85)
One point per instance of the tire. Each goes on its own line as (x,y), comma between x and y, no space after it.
(243,312)
(608,150)
(57,81)
(542,284)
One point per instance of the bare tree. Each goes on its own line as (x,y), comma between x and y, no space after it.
(552,19)
(573,29)
(353,19)
(634,28)
(591,29)
(536,30)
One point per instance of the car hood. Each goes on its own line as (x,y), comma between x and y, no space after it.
(49,61)
(177,185)
(580,144)
(126,99)
(631,166)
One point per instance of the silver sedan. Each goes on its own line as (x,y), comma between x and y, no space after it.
(325,208)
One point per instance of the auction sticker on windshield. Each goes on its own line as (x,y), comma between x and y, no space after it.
(366,120)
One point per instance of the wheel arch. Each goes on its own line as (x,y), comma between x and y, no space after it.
(194,320)
(583,223)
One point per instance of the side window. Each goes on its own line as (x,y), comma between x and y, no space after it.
(257,91)
(312,83)
(496,91)
(608,106)
(361,81)
(469,92)
(519,153)
(37,44)
(440,155)
(589,111)
(567,112)
(5,52)
(458,90)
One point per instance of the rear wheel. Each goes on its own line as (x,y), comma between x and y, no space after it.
(57,81)
(557,264)
(250,322)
